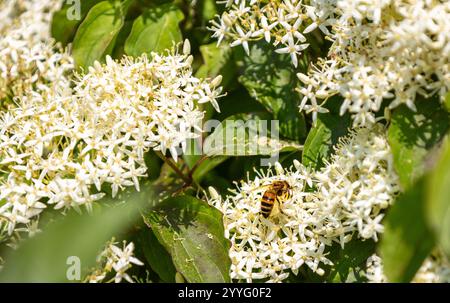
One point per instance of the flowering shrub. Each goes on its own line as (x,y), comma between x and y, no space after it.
(237,141)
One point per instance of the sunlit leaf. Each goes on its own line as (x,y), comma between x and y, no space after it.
(155,30)
(192,232)
(246,135)
(66,21)
(407,240)
(438,199)
(98,31)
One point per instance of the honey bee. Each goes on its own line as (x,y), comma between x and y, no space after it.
(273,197)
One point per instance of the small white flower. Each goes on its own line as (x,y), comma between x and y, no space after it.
(292,49)
(265,29)
(435,269)
(115,260)
(242,40)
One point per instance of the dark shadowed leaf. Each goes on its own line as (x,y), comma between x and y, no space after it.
(192,232)
(238,102)
(350,262)
(119,41)
(323,136)
(217,61)
(271,80)
(206,165)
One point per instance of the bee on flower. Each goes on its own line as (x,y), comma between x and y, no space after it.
(323,207)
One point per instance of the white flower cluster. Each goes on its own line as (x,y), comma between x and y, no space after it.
(32,16)
(30,62)
(61,150)
(345,199)
(435,269)
(58,142)
(278,22)
(114,261)
(380,49)
(32,69)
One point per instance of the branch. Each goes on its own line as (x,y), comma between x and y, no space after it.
(174,167)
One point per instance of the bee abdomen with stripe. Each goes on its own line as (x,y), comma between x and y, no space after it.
(276,193)
(267,202)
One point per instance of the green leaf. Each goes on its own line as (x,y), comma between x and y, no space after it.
(206,166)
(270,79)
(407,240)
(155,30)
(447,102)
(97,32)
(413,134)
(119,42)
(193,234)
(221,184)
(350,262)
(201,164)
(65,22)
(157,256)
(208,10)
(217,61)
(438,199)
(43,257)
(245,135)
(323,136)
(238,102)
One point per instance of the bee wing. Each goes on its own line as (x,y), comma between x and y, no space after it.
(263,187)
